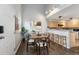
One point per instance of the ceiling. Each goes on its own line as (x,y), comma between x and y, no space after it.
(71,11)
(41,7)
(66,10)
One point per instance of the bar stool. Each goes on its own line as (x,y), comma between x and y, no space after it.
(56,39)
(62,41)
(65,42)
(48,38)
(52,37)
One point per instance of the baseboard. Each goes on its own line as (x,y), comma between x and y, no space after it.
(17,47)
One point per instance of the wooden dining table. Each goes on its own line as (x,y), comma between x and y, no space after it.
(37,37)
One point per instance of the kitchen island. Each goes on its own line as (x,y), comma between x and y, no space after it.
(71,36)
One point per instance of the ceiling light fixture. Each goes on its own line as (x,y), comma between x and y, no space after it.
(53,12)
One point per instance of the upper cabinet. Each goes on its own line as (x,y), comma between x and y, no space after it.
(52,24)
(71,24)
(57,24)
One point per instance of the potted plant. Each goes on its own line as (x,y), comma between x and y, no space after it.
(23,31)
(33,30)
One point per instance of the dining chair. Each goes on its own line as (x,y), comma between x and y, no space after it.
(48,38)
(30,42)
(42,45)
(56,40)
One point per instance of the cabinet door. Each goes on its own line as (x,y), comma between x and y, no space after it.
(73,39)
(52,24)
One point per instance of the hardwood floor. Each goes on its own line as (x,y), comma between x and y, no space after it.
(54,49)
(75,49)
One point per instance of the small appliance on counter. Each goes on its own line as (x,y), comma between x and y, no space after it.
(76,30)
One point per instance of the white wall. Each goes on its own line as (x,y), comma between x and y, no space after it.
(33,12)
(11,42)
(7,13)
(17,34)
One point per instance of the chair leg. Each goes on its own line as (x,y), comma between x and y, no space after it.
(39,50)
(47,50)
(36,49)
(27,47)
(49,44)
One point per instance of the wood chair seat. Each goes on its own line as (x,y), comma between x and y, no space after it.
(30,40)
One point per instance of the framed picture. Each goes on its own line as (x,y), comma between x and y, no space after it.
(36,24)
(16,24)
